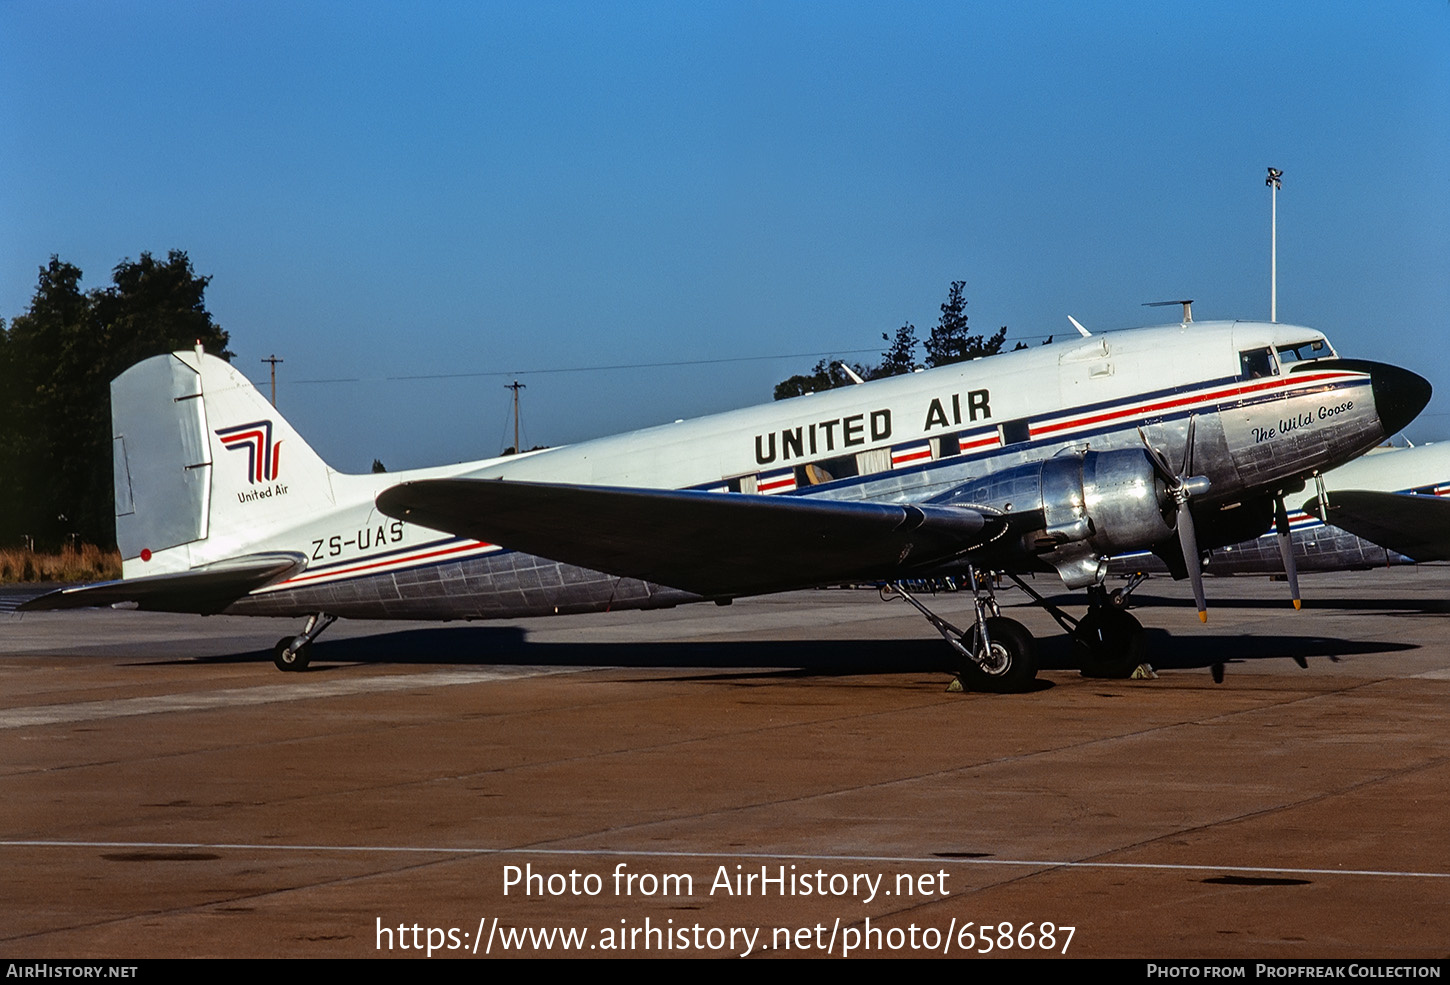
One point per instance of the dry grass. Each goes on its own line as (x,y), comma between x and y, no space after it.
(89,563)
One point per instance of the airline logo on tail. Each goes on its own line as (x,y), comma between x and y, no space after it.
(256,440)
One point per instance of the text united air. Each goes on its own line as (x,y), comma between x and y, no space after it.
(856,430)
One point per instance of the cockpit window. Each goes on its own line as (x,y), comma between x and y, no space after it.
(1256,363)
(1304,351)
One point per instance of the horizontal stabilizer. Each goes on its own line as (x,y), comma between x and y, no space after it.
(712,544)
(1415,526)
(210,588)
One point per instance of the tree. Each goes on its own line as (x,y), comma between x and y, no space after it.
(1023,345)
(900,356)
(156,307)
(950,341)
(826,375)
(10,498)
(58,360)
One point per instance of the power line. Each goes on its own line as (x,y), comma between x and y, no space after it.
(580,369)
(594,369)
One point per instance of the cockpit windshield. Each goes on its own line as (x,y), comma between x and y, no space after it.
(1304,351)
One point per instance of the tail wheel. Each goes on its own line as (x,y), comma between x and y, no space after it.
(1009,666)
(293,659)
(1109,641)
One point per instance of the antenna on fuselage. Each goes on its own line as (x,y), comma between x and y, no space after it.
(1078,325)
(1187,308)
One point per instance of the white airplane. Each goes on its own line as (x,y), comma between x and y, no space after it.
(1396,498)
(1046,459)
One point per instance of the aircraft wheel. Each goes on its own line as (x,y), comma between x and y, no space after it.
(291,661)
(1110,642)
(1010,667)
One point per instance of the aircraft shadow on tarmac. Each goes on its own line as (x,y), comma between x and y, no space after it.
(475,646)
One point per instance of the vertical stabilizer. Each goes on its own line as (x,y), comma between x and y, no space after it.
(205,468)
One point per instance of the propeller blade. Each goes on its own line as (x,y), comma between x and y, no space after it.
(1160,463)
(1188,446)
(1188,541)
(1286,549)
(1181,487)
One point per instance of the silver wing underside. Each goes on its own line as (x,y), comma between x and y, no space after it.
(711,544)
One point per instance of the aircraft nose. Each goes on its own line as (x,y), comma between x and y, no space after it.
(1399,395)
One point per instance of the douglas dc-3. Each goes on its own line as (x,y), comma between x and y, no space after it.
(1049,459)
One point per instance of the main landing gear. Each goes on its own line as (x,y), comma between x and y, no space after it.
(295,652)
(1109,638)
(1000,654)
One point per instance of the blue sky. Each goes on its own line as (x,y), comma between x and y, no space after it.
(470,191)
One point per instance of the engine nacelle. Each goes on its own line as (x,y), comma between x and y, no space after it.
(1074,510)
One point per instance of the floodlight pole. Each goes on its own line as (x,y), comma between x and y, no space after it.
(1273,181)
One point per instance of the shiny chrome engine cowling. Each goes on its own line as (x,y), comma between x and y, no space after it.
(1074,510)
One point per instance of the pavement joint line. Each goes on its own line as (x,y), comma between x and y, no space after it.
(89,711)
(737,856)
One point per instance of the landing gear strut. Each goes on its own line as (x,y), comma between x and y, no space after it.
(999,654)
(295,652)
(1109,639)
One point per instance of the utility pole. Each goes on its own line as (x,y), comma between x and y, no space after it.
(1273,181)
(515,386)
(274,361)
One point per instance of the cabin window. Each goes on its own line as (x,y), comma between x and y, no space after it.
(1014,432)
(826,470)
(734,483)
(871,462)
(1304,351)
(948,445)
(1256,363)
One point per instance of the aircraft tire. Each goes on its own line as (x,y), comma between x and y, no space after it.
(292,662)
(1014,654)
(1109,642)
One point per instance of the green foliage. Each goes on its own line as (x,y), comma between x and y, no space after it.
(826,375)
(900,357)
(57,361)
(950,342)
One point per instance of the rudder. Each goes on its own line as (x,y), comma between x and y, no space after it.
(204,466)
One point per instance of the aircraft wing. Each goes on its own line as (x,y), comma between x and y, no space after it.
(209,588)
(1415,526)
(712,544)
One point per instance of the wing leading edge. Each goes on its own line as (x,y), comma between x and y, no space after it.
(711,544)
